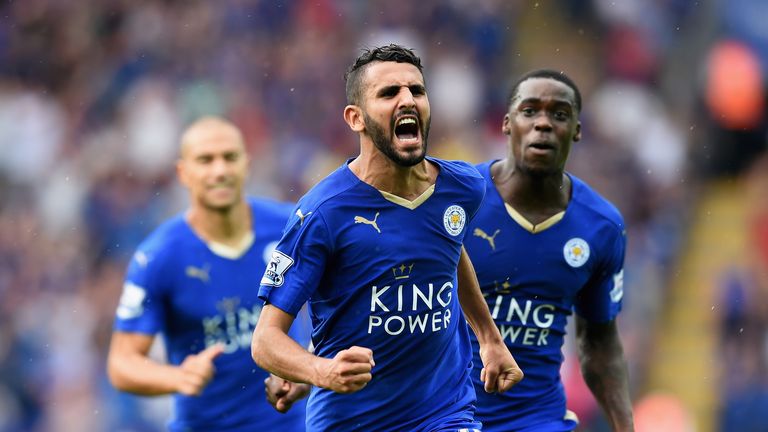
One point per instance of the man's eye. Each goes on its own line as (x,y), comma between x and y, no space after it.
(528,111)
(417,90)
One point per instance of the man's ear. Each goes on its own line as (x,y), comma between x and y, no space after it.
(181,174)
(505,128)
(577,135)
(353,115)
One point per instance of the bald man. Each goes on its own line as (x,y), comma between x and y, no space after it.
(195,279)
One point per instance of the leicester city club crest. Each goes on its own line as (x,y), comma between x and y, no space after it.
(576,252)
(454,219)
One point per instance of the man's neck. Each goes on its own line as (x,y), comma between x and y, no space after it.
(228,226)
(382,173)
(529,193)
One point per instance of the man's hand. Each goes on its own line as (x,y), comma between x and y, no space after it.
(348,372)
(500,371)
(197,370)
(281,393)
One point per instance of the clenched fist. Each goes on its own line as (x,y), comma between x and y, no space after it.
(349,371)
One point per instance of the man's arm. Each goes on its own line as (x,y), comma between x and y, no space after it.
(605,370)
(273,350)
(500,371)
(131,369)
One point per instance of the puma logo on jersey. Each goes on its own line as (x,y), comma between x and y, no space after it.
(302,216)
(198,272)
(362,220)
(483,235)
(499,288)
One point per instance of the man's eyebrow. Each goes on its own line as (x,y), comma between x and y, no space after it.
(533,99)
(518,100)
(528,99)
(388,89)
(396,87)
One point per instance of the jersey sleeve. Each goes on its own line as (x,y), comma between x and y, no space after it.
(297,264)
(140,308)
(301,329)
(601,299)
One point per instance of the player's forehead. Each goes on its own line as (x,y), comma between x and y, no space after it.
(385,74)
(211,138)
(545,89)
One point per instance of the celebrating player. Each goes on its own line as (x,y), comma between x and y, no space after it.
(376,250)
(544,243)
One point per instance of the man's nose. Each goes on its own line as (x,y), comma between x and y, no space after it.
(406,99)
(220,167)
(543,122)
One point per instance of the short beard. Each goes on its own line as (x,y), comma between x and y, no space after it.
(385,143)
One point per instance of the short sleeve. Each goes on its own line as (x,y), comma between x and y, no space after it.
(297,264)
(601,299)
(140,308)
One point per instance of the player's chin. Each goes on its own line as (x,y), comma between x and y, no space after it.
(410,159)
(410,154)
(221,202)
(538,169)
(222,194)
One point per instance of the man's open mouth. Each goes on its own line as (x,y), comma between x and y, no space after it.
(407,128)
(542,146)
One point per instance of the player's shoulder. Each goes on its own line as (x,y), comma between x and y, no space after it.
(592,201)
(164,241)
(324,193)
(460,173)
(457,168)
(323,197)
(485,166)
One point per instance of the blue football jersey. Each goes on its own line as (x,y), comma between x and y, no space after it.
(532,278)
(379,272)
(178,286)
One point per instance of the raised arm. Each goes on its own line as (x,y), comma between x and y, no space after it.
(273,350)
(500,371)
(131,369)
(605,370)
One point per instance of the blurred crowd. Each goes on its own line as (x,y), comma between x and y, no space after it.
(743,333)
(93,96)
